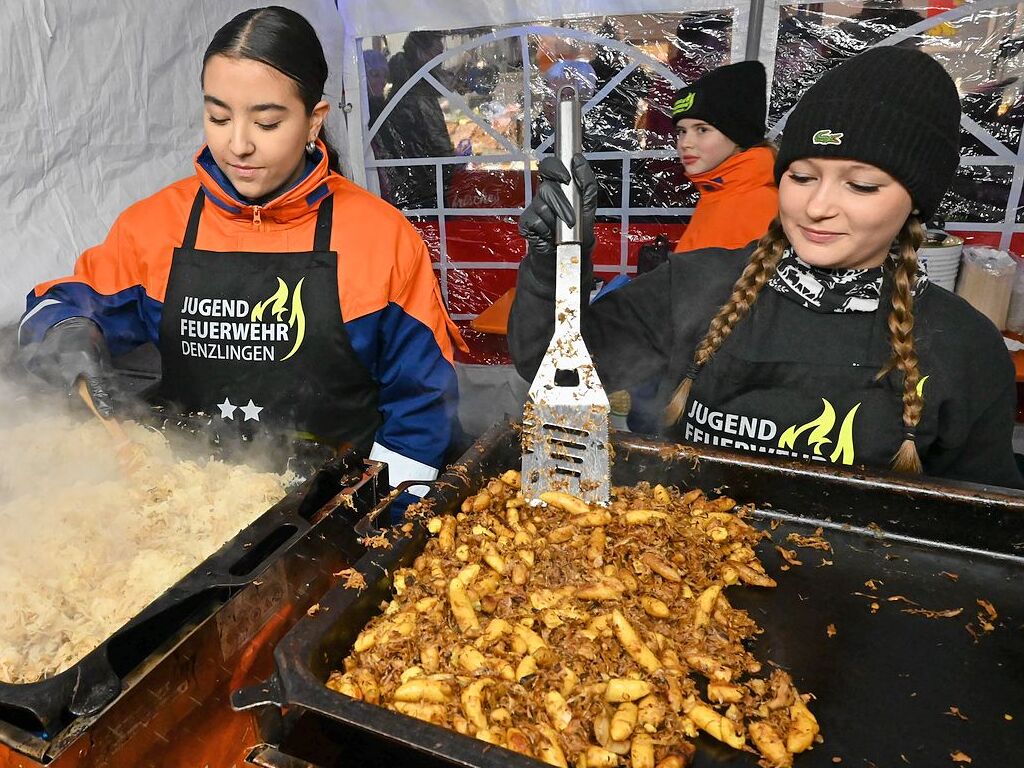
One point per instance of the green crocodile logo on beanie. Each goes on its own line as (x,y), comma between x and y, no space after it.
(825,136)
(683,104)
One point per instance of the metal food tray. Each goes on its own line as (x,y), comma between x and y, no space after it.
(32,715)
(884,684)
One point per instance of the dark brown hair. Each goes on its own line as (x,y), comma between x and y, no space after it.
(284,40)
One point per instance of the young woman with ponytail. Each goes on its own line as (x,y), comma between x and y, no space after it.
(824,341)
(280,294)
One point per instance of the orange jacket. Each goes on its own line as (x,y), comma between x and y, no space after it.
(738,200)
(389,296)
(381,257)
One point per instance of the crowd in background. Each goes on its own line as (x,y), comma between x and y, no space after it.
(635,114)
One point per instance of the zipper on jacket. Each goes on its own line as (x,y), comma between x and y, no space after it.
(256,219)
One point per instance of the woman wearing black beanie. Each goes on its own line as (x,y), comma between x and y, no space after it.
(824,340)
(719,124)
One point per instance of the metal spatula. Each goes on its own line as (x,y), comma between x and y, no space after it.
(565,421)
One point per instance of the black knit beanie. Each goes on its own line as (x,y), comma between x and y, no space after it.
(731,98)
(893,108)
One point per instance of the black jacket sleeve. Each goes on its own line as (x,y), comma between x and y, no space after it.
(987,454)
(976,412)
(628,331)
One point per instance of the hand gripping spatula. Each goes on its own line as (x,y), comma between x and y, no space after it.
(565,421)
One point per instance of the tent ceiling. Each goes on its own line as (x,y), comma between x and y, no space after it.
(387,16)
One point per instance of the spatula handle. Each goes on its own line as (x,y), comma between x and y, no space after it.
(568,141)
(568,138)
(112,426)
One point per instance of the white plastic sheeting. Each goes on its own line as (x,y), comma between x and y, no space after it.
(367,19)
(101,100)
(463,171)
(101,107)
(386,16)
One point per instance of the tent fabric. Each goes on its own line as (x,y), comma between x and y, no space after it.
(387,16)
(102,103)
(102,107)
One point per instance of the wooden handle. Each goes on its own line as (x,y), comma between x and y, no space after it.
(112,425)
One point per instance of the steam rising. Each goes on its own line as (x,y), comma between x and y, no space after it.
(87,547)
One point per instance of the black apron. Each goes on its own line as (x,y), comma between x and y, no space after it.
(257,340)
(769,391)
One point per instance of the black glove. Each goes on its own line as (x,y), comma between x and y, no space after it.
(71,349)
(537,224)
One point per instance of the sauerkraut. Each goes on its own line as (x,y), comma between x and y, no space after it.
(88,545)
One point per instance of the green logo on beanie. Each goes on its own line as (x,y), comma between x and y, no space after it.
(825,136)
(683,104)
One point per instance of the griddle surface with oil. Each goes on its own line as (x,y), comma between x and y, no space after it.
(887,682)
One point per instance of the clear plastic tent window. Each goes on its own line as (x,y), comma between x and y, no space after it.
(454,123)
(454,126)
(73,167)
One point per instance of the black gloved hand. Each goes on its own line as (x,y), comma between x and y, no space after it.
(538,222)
(73,349)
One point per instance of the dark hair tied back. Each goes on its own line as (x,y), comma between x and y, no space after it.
(282,39)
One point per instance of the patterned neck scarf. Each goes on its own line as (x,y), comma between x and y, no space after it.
(833,290)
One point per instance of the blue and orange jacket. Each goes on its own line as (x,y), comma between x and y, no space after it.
(389,296)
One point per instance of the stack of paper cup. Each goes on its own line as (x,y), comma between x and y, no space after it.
(986,281)
(1015,315)
(941,258)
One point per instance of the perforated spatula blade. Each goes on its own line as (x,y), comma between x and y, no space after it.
(565,421)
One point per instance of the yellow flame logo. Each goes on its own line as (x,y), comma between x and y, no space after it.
(278,306)
(843,454)
(820,428)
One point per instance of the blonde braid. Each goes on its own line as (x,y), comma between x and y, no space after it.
(745,290)
(901,340)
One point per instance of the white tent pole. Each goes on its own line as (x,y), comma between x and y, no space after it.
(351,105)
(754,23)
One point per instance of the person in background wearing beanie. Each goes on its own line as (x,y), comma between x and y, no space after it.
(823,341)
(280,294)
(719,125)
(701,44)
(720,140)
